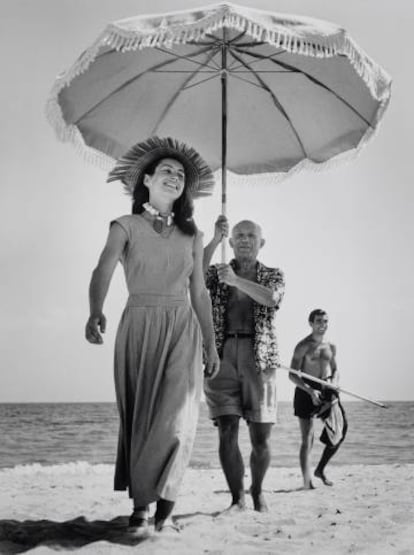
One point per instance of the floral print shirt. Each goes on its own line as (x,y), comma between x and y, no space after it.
(265,343)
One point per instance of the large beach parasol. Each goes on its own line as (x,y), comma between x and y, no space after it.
(257,93)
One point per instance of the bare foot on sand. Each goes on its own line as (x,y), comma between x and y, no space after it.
(308,485)
(259,502)
(235,507)
(321,475)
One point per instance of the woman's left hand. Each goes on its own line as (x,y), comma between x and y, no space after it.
(212,365)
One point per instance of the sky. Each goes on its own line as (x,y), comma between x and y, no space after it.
(343,237)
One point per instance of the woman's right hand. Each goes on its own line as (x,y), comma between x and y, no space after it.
(96,323)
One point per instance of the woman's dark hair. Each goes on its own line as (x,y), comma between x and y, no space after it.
(183,207)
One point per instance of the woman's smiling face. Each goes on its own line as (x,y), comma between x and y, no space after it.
(168,179)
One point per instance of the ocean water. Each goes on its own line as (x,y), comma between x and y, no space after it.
(53,433)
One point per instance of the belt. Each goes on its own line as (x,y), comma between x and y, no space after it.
(239,334)
(156,299)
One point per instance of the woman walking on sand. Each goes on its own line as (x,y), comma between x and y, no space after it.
(158,349)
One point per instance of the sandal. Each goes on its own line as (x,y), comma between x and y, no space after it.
(138,522)
(168,524)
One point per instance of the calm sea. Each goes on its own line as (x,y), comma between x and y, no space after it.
(48,433)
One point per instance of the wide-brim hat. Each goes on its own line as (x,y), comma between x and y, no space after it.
(132,166)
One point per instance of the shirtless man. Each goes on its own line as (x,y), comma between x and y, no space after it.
(315,356)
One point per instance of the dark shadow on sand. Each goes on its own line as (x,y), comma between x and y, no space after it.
(20,536)
(180,517)
(300,488)
(247,492)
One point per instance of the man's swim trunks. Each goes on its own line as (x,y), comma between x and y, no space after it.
(330,411)
(302,404)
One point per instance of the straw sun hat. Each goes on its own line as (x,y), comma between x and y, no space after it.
(132,166)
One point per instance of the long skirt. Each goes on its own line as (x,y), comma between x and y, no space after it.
(158,379)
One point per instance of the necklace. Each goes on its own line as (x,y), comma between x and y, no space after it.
(160,222)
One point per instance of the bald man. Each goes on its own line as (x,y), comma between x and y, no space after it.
(245,296)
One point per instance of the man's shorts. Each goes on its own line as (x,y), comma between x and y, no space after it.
(239,389)
(302,402)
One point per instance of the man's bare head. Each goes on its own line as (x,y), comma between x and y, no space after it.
(246,240)
(318,321)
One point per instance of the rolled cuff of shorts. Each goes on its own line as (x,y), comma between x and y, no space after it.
(228,410)
(261,417)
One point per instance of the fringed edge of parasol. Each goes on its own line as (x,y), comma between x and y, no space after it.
(123,40)
(337,43)
(70,133)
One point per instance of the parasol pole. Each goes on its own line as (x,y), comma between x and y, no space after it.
(301,374)
(223,80)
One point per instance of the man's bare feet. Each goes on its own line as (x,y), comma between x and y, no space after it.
(259,502)
(236,506)
(308,485)
(320,474)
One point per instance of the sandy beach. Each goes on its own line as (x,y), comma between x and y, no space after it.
(71,507)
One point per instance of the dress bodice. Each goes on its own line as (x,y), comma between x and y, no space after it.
(155,264)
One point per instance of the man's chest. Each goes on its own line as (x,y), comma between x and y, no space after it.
(322,351)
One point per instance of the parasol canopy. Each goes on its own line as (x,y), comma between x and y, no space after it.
(254,92)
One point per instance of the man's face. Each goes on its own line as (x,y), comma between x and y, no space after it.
(246,240)
(319,324)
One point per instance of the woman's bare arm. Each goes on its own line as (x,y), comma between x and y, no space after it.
(99,284)
(200,300)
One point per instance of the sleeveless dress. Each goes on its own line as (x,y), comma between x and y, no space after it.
(158,363)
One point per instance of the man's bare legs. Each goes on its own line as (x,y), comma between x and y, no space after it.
(306,429)
(230,457)
(328,453)
(259,461)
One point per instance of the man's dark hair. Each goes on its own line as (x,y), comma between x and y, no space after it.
(316,312)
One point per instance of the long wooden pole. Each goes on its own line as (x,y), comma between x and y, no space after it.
(301,374)
(223,136)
